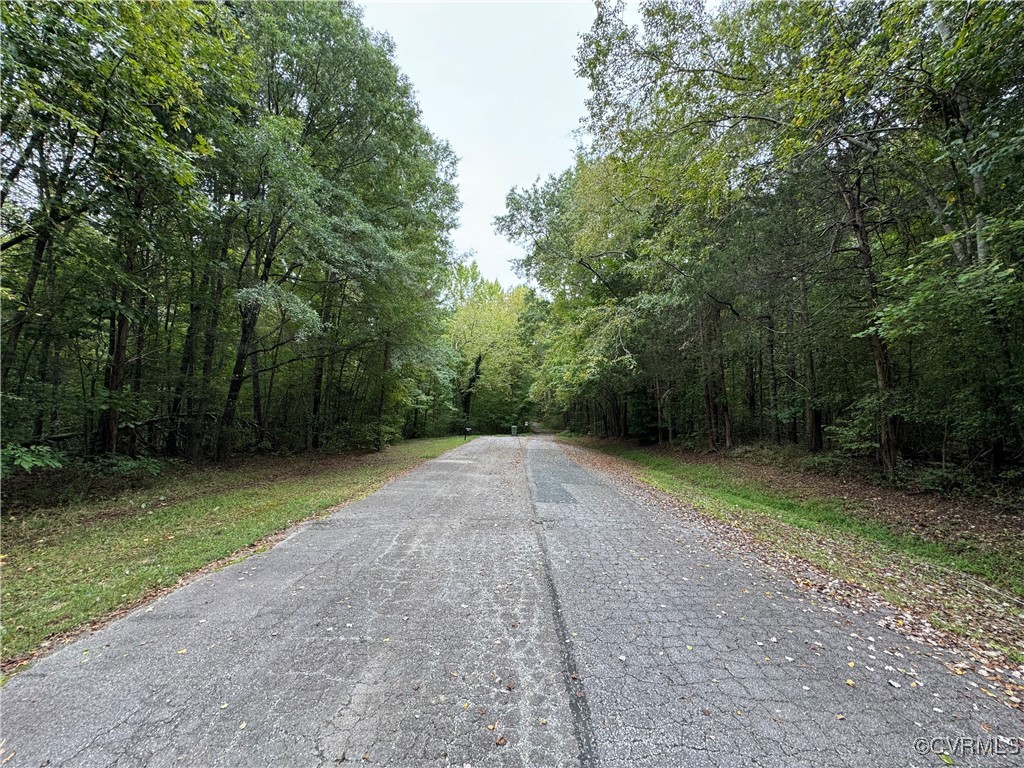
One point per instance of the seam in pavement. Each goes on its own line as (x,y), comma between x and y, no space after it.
(579,707)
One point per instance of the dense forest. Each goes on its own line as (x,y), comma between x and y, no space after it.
(226,229)
(794,223)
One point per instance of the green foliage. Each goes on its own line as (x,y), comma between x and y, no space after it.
(493,358)
(112,465)
(226,229)
(797,222)
(27,458)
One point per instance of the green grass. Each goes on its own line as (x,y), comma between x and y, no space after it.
(728,495)
(69,566)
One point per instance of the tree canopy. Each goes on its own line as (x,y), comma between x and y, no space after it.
(796,222)
(225,227)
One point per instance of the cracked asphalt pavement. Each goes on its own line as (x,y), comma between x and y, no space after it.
(500,605)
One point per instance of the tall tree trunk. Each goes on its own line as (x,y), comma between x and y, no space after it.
(657,401)
(815,436)
(722,391)
(53,204)
(258,417)
(791,376)
(138,360)
(24,312)
(318,376)
(467,393)
(44,369)
(751,388)
(888,438)
(378,442)
(186,368)
(197,417)
(314,421)
(243,353)
(668,412)
(773,380)
(250,317)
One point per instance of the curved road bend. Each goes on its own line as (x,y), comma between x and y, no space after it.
(501,605)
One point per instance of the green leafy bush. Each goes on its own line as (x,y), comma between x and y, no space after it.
(26,458)
(109,465)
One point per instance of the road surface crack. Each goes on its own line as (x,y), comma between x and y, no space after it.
(579,707)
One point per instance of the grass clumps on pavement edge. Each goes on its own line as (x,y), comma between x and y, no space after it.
(71,566)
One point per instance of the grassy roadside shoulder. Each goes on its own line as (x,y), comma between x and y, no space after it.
(972,590)
(67,567)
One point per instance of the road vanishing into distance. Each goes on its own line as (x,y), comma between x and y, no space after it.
(501,605)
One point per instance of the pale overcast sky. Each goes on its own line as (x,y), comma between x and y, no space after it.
(496,79)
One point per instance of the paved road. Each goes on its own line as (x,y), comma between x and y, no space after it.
(499,606)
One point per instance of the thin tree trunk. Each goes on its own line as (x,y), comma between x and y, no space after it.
(888,439)
(114,375)
(186,368)
(378,442)
(257,395)
(318,378)
(196,431)
(250,317)
(21,319)
(791,376)
(657,400)
(138,357)
(773,381)
(815,437)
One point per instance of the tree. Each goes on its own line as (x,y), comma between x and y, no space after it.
(793,207)
(225,228)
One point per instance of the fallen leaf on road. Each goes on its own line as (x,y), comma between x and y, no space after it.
(241,727)
(501,741)
(850,683)
(183,650)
